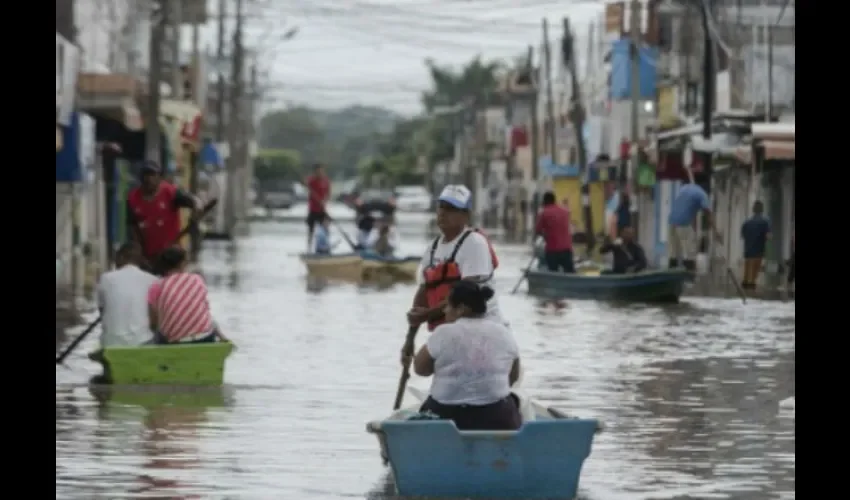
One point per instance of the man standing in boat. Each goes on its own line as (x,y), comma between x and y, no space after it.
(153,211)
(553,224)
(319,191)
(459,253)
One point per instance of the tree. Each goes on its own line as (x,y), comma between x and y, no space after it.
(276,167)
(476,83)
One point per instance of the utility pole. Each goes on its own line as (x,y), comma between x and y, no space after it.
(176,73)
(769,107)
(577,116)
(159,19)
(535,140)
(631,171)
(195,164)
(220,89)
(550,101)
(235,167)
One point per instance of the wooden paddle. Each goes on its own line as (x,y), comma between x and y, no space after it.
(209,206)
(405,368)
(524,273)
(344,234)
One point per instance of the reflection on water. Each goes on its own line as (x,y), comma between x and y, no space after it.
(689,392)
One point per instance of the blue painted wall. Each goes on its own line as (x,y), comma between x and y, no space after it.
(68,165)
(621,81)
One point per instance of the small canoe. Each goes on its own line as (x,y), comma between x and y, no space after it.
(665,286)
(432,458)
(399,268)
(347,267)
(189,364)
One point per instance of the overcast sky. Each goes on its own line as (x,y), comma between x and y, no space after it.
(372,51)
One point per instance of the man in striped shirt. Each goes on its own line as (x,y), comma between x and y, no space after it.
(178,306)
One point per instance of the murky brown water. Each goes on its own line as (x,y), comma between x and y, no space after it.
(689,393)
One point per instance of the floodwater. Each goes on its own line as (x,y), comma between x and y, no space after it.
(689,393)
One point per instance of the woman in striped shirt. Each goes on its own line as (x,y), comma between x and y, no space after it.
(178,307)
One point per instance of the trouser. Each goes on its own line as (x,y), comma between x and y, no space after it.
(503,415)
(683,247)
(561,260)
(752,269)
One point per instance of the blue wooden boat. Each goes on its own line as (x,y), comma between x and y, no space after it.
(647,286)
(433,459)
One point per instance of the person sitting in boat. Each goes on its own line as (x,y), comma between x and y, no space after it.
(122,300)
(629,256)
(384,239)
(178,305)
(322,244)
(474,361)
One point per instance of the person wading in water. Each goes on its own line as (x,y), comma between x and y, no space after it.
(755,232)
(153,211)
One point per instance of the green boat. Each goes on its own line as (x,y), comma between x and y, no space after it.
(189,364)
(665,286)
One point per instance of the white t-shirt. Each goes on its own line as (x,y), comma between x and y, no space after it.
(122,296)
(472,361)
(473,259)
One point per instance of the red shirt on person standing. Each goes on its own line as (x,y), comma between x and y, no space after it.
(553,224)
(319,187)
(153,210)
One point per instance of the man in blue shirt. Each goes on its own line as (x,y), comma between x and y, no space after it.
(755,232)
(689,202)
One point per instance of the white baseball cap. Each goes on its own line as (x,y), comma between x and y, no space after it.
(457,196)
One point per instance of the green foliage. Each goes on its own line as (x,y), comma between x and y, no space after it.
(274,167)
(337,138)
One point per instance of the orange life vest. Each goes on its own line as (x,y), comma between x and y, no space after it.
(439,278)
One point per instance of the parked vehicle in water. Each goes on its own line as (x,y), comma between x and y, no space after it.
(413,199)
(280,196)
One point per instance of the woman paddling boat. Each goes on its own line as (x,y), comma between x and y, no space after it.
(474,361)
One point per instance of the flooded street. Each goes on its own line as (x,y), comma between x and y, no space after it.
(689,393)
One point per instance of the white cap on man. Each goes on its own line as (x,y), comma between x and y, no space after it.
(457,195)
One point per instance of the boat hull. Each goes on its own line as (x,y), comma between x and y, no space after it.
(357,268)
(398,269)
(347,267)
(189,364)
(651,286)
(432,458)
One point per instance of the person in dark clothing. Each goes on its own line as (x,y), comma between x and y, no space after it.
(755,233)
(553,224)
(792,262)
(629,256)
(624,214)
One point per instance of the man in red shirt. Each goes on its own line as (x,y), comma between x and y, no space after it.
(553,224)
(319,188)
(153,211)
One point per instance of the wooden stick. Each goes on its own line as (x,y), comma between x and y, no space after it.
(405,368)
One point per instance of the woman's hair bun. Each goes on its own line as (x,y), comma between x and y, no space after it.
(486,292)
